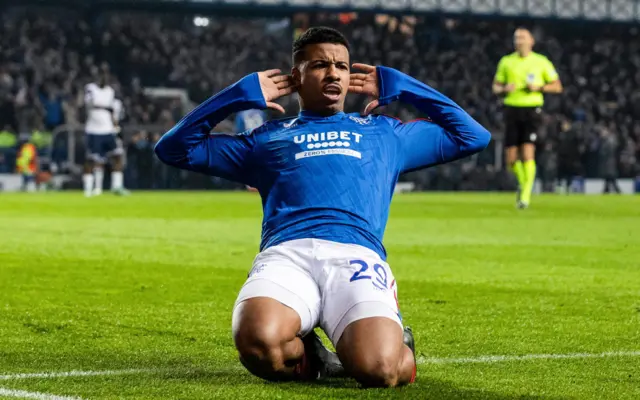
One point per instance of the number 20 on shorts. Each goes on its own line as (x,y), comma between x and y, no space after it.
(379,277)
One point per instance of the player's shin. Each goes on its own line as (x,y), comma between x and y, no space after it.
(117,176)
(87,181)
(518,170)
(117,180)
(98,172)
(530,178)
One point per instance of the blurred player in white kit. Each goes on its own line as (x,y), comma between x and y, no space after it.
(104,112)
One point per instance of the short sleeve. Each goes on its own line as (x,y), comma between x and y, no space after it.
(549,72)
(501,72)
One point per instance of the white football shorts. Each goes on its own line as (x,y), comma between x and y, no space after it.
(328,284)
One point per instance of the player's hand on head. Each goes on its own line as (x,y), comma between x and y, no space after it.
(275,85)
(366,83)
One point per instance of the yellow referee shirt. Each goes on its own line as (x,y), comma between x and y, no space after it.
(520,71)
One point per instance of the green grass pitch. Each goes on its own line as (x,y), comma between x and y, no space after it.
(148,282)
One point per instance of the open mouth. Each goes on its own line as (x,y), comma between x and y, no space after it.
(332,91)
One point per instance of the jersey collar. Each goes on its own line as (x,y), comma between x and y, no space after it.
(305,115)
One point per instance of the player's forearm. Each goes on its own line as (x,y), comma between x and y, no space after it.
(498,88)
(553,87)
(467,135)
(176,146)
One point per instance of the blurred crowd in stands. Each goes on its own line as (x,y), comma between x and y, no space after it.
(47,55)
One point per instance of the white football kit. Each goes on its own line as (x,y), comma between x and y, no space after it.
(100,130)
(97,101)
(329,178)
(328,284)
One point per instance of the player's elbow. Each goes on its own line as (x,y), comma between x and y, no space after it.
(497,88)
(559,87)
(480,141)
(162,151)
(169,152)
(555,87)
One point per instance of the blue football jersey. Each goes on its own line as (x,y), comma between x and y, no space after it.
(248,120)
(323,177)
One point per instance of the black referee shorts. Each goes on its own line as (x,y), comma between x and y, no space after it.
(522,125)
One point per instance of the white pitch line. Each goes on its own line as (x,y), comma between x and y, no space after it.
(21,394)
(526,357)
(46,375)
(420,360)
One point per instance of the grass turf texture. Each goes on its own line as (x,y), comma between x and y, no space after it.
(149,281)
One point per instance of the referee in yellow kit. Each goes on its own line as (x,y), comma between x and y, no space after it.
(523,77)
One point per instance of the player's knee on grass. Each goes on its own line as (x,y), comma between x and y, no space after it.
(378,370)
(264,332)
(373,353)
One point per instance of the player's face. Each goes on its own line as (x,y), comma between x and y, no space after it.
(323,78)
(523,40)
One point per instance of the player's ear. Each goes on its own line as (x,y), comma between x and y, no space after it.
(296,75)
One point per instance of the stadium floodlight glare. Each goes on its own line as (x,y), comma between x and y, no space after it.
(201,21)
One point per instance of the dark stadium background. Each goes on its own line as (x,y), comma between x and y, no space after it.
(131,297)
(157,54)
